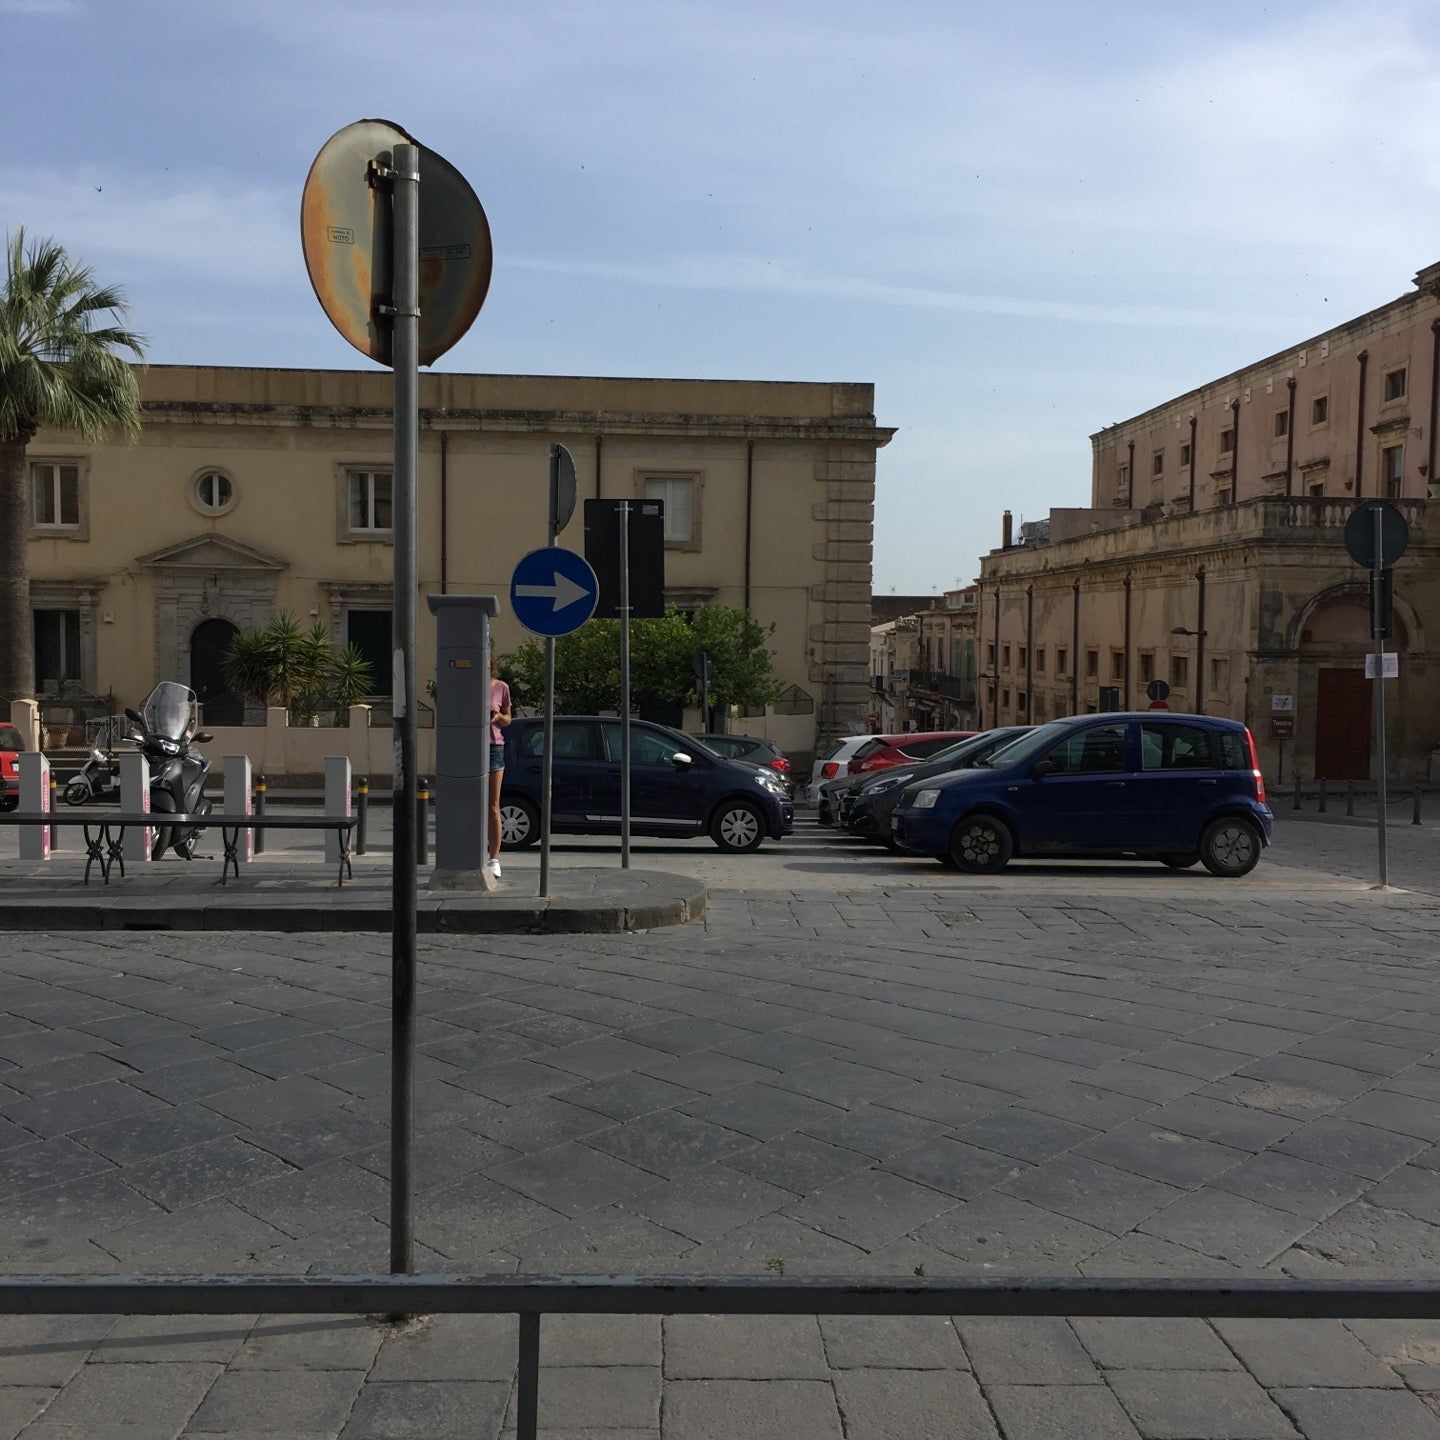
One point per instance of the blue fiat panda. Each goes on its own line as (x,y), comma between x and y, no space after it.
(1180,789)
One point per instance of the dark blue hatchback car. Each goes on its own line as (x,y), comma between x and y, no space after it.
(1180,789)
(678,786)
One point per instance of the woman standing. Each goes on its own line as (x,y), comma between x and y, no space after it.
(500,717)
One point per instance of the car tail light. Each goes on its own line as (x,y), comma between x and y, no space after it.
(1255,767)
(780,763)
(829,770)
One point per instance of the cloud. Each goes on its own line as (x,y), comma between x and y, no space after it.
(756,275)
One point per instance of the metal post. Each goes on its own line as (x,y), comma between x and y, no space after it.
(422,821)
(1377,624)
(624,684)
(527,1379)
(1280,776)
(1350,797)
(54,828)
(547,760)
(1415,807)
(405,219)
(262,788)
(1321,783)
(1299,793)
(362,813)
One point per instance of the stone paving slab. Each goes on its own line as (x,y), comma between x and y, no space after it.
(1185,1081)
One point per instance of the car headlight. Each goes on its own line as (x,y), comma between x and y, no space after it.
(925,800)
(881,786)
(766,782)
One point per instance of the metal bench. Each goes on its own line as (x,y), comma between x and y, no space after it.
(105,834)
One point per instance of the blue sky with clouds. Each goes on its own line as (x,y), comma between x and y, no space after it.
(1020,222)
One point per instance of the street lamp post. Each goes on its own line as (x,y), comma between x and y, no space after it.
(1199,636)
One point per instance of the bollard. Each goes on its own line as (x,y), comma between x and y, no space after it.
(261,789)
(362,812)
(1350,798)
(1322,796)
(422,821)
(1415,807)
(54,828)
(1299,793)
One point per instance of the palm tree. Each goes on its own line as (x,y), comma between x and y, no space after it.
(60,367)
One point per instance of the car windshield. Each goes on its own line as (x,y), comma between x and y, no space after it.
(1036,742)
(168,709)
(10,738)
(1000,755)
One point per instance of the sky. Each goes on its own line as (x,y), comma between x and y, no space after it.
(1020,222)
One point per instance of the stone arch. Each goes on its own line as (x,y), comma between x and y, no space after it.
(1410,634)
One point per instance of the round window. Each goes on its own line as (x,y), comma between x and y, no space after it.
(213,492)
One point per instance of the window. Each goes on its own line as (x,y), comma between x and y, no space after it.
(57,647)
(990,657)
(1227,440)
(1024,656)
(990,696)
(1005,656)
(1039,707)
(368,503)
(1220,675)
(54,495)
(1282,424)
(369,631)
(1022,699)
(212,492)
(1147,665)
(1395,384)
(574,740)
(1101,748)
(677,492)
(1317,488)
(647,747)
(1117,664)
(1062,660)
(1167,746)
(1092,664)
(1039,659)
(1122,478)
(1320,410)
(1222,495)
(1157,463)
(1179,672)
(1005,698)
(1185,455)
(1392,470)
(1234,753)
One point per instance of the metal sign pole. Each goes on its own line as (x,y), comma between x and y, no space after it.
(624,684)
(1377,622)
(405,215)
(547,761)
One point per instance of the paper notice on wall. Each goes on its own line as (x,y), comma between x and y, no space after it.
(1392,666)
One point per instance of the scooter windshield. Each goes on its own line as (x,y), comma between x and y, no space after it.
(168,710)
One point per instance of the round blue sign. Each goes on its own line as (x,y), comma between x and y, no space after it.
(553,591)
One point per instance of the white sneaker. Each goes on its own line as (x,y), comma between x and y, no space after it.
(495,868)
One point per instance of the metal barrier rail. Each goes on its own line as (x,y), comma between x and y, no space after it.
(530,1298)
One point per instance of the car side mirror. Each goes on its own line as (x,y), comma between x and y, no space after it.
(202,737)
(134,715)
(680,759)
(1041,768)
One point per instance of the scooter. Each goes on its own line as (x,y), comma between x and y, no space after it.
(96,779)
(177,769)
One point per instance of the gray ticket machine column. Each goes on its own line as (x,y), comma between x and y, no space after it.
(462,737)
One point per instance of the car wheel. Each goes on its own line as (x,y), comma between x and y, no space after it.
(9,802)
(981,844)
(519,823)
(738,827)
(1230,847)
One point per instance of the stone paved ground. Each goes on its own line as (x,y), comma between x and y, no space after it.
(1134,1073)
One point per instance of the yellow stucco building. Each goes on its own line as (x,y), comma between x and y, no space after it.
(255,490)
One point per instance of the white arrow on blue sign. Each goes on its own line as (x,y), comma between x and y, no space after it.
(553,591)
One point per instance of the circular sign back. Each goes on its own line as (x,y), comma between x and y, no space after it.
(1360,533)
(345,232)
(1157,690)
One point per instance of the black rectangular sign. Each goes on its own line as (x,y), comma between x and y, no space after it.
(647,556)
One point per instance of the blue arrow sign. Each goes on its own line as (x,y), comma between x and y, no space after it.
(553,591)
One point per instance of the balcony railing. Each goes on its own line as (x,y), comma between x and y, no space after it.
(953,687)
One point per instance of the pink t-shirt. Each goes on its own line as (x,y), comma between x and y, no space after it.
(499,700)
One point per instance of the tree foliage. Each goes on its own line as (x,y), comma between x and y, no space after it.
(662,653)
(303,670)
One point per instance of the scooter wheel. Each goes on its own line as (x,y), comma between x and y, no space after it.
(77,792)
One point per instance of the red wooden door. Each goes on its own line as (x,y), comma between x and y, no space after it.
(1342,725)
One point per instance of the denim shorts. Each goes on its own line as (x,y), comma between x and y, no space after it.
(497,758)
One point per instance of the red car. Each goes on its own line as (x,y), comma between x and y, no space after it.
(885,751)
(10,747)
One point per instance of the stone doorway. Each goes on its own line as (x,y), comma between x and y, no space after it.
(210,643)
(1343,730)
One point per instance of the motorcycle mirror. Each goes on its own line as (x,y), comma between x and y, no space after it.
(134,715)
(202,737)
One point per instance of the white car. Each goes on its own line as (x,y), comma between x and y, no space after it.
(832,763)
